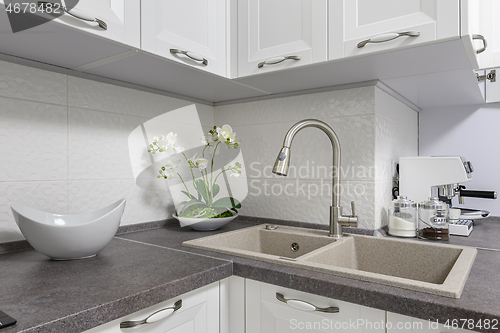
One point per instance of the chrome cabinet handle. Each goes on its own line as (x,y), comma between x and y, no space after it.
(79,14)
(388,37)
(305,306)
(154,317)
(485,45)
(190,55)
(277,60)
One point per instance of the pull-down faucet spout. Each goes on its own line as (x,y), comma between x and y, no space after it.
(337,220)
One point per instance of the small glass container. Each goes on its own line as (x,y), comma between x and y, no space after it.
(433,219)
(403,217)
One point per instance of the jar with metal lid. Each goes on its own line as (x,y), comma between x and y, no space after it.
(402,217)
(433,219)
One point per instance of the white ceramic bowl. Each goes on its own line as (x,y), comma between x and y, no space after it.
(203,224)
(65,237)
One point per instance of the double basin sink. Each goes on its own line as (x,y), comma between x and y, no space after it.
(421,266)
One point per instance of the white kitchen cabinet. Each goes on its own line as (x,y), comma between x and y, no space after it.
(477,32)
(122,18)
(385,24)
(199,313)
(192,32)
(403,324)
(266,314)
(279,34)
(232,305)
(492,84)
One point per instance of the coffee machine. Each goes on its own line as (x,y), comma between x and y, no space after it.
(440,177)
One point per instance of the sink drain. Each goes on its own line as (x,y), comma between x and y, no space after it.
(294,247)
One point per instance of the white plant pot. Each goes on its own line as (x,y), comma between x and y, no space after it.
(204,224)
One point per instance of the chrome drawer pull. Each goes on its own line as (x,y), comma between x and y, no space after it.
(190,55)
(389,36)
(79,14)
(154,317)
(485,45)
(277,60)
(305,306)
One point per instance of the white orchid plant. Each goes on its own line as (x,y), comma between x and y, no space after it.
(201,204)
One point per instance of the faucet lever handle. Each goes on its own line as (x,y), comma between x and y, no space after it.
(353,209)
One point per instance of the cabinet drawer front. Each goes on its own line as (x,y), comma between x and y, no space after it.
(265,313)
(199,314)
(365,20)
(280,28)
(192,27)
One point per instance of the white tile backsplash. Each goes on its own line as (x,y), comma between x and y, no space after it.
(33,84)
(64,148)
(33,141)
(74,159)
(372,134)
(98,144)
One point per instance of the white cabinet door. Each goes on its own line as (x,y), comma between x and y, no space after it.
(382,21)
(266,314)
(122,18)
(282,33)
(492,85)
(196,28)
(397,323)
(232,305)
(478,34)
(199,313)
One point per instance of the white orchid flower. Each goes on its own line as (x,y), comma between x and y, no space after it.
(168,170)
(201,163)
(226,134)
(168,144)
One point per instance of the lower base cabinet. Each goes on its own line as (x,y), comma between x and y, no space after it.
(238,305)
(199,313)
(302,312)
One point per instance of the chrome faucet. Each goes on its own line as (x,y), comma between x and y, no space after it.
(337,220)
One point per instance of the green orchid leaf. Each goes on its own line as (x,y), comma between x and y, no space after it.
(202,189)
(187,194)
(227,202)
(190,204)
(215,190)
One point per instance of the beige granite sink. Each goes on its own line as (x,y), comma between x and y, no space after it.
(435,268)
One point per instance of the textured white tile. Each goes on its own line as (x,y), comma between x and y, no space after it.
(263,199)
(45,196)
(95,95)
(98,144)
(348,102)
(363,195)
(391,108)
(260,145)
(310,201)
(306,200)
(392,142)
(142,205)
(206,115)
(250,113)
(33,141)
(32,84)
(312,154)
(383,196)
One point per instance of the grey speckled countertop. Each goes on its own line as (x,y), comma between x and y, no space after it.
(52,296)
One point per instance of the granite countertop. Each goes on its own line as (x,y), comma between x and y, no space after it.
(73,296)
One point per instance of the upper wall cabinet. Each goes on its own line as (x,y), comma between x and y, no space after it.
(279,34)
(192,32)
(121,19)
(481,32)
(71,42)
(360,27)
